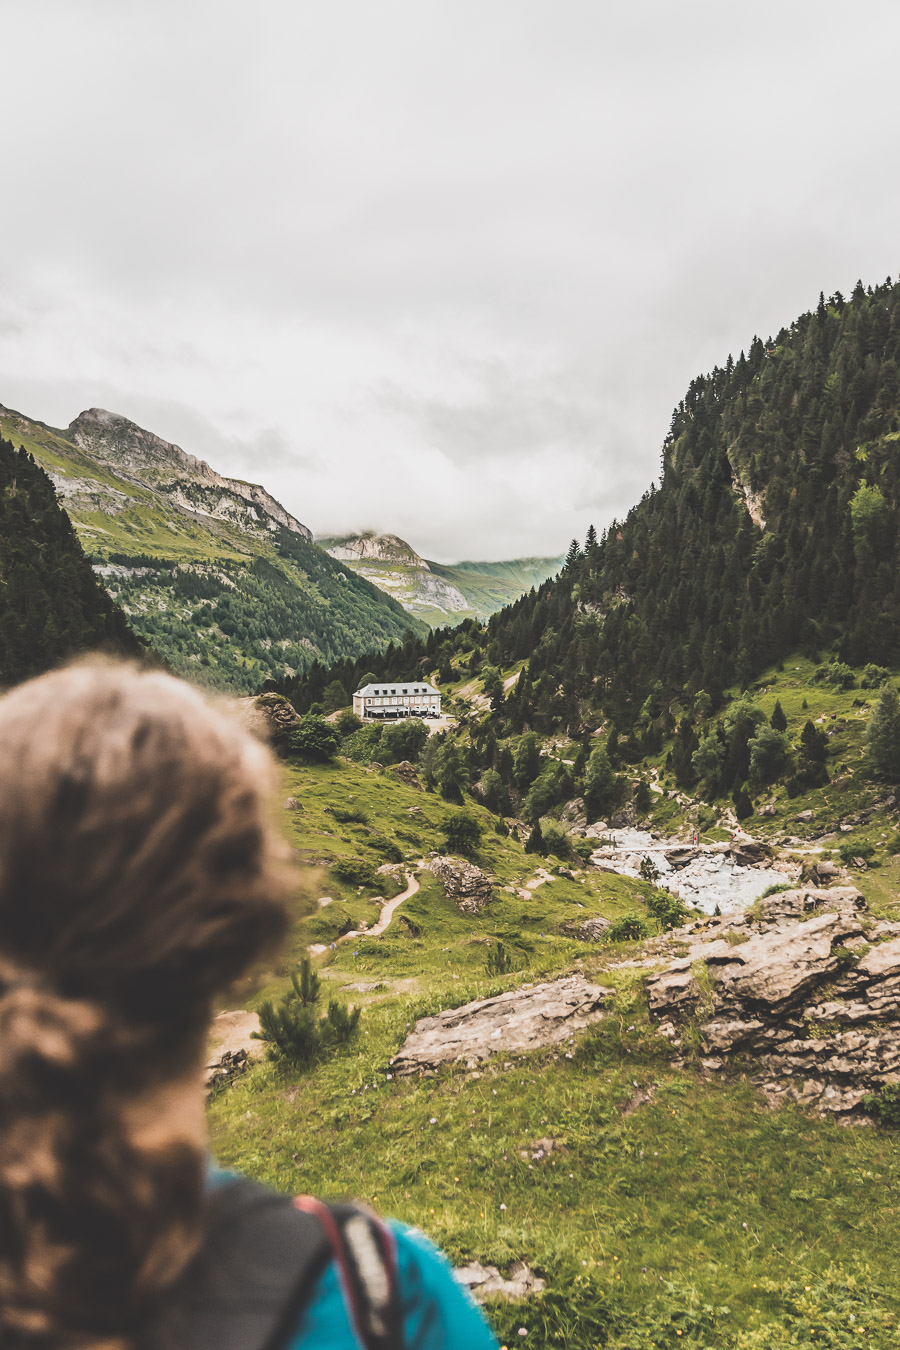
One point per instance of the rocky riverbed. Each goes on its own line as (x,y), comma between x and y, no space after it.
(731,876)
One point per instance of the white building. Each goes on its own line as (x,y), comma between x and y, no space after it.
(386,700)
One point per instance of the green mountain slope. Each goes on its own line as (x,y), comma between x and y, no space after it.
(215,573)
(490,586)
(51,605)
(438,593)
(775,526)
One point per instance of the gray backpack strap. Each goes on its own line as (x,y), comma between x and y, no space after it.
(247,1286)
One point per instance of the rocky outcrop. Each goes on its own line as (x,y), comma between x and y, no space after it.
(463,882)
(407,774)
(273,719)
(589,930)
(530,1018)
(804,990)
(143,458)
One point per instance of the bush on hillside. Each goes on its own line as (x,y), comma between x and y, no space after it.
(462,833)
(873,677)
(535,841)
(314,739)
(630,928)
(353,872)
(556,840)
(403,740)
(294,1033)
(668,909)
(347,722)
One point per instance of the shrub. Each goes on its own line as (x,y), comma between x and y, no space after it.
(585,849)
(535,841)
(351,815)
(314,738)
(884,1105)
(291,1028)
(873,677)
(347,723)
(498,960)
(556,840)
(848,852)
(403,740)
(385,848)
(628,929)
(668,909)
(353,871)
(462,833)
(648,869)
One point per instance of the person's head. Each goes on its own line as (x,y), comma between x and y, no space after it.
(139,876)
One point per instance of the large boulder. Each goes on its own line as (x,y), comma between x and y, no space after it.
(463,882)
(272,718)
(524,1019)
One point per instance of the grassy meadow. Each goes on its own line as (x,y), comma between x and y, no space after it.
(662,1206)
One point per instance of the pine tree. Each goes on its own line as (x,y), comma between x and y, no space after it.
(883,736)
(778,719)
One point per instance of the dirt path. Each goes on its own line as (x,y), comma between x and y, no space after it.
(387,914)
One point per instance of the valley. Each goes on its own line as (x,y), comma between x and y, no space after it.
(657,1156)
(438,593)
(623,933)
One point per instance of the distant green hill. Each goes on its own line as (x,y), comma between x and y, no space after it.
(51,605)
(438,593)
(216,574)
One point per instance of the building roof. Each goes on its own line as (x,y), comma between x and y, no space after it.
(386,687)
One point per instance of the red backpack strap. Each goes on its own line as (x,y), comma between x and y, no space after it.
(365,1253)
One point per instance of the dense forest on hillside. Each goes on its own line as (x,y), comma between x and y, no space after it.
(774,527)
(235,622)
(51,605)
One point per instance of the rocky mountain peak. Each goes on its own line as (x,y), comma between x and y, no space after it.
(372,547)
(146,459)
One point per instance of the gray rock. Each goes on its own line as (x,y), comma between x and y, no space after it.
(813,1023)
(589,930)
(520,1020)
(674,991)
(407,774)
(574,815)
(463,882)
(486,1281)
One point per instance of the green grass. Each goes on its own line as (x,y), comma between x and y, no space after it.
(668,1203)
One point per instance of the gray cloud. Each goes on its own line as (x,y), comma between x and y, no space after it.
(319,244)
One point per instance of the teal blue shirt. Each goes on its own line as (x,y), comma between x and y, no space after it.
(438,1314)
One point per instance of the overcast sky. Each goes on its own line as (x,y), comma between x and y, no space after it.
(441,268)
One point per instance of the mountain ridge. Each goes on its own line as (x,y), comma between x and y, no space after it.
(217,575)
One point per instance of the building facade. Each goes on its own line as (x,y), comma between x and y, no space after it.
(382,701)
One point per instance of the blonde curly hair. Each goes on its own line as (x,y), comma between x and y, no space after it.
(140,874)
